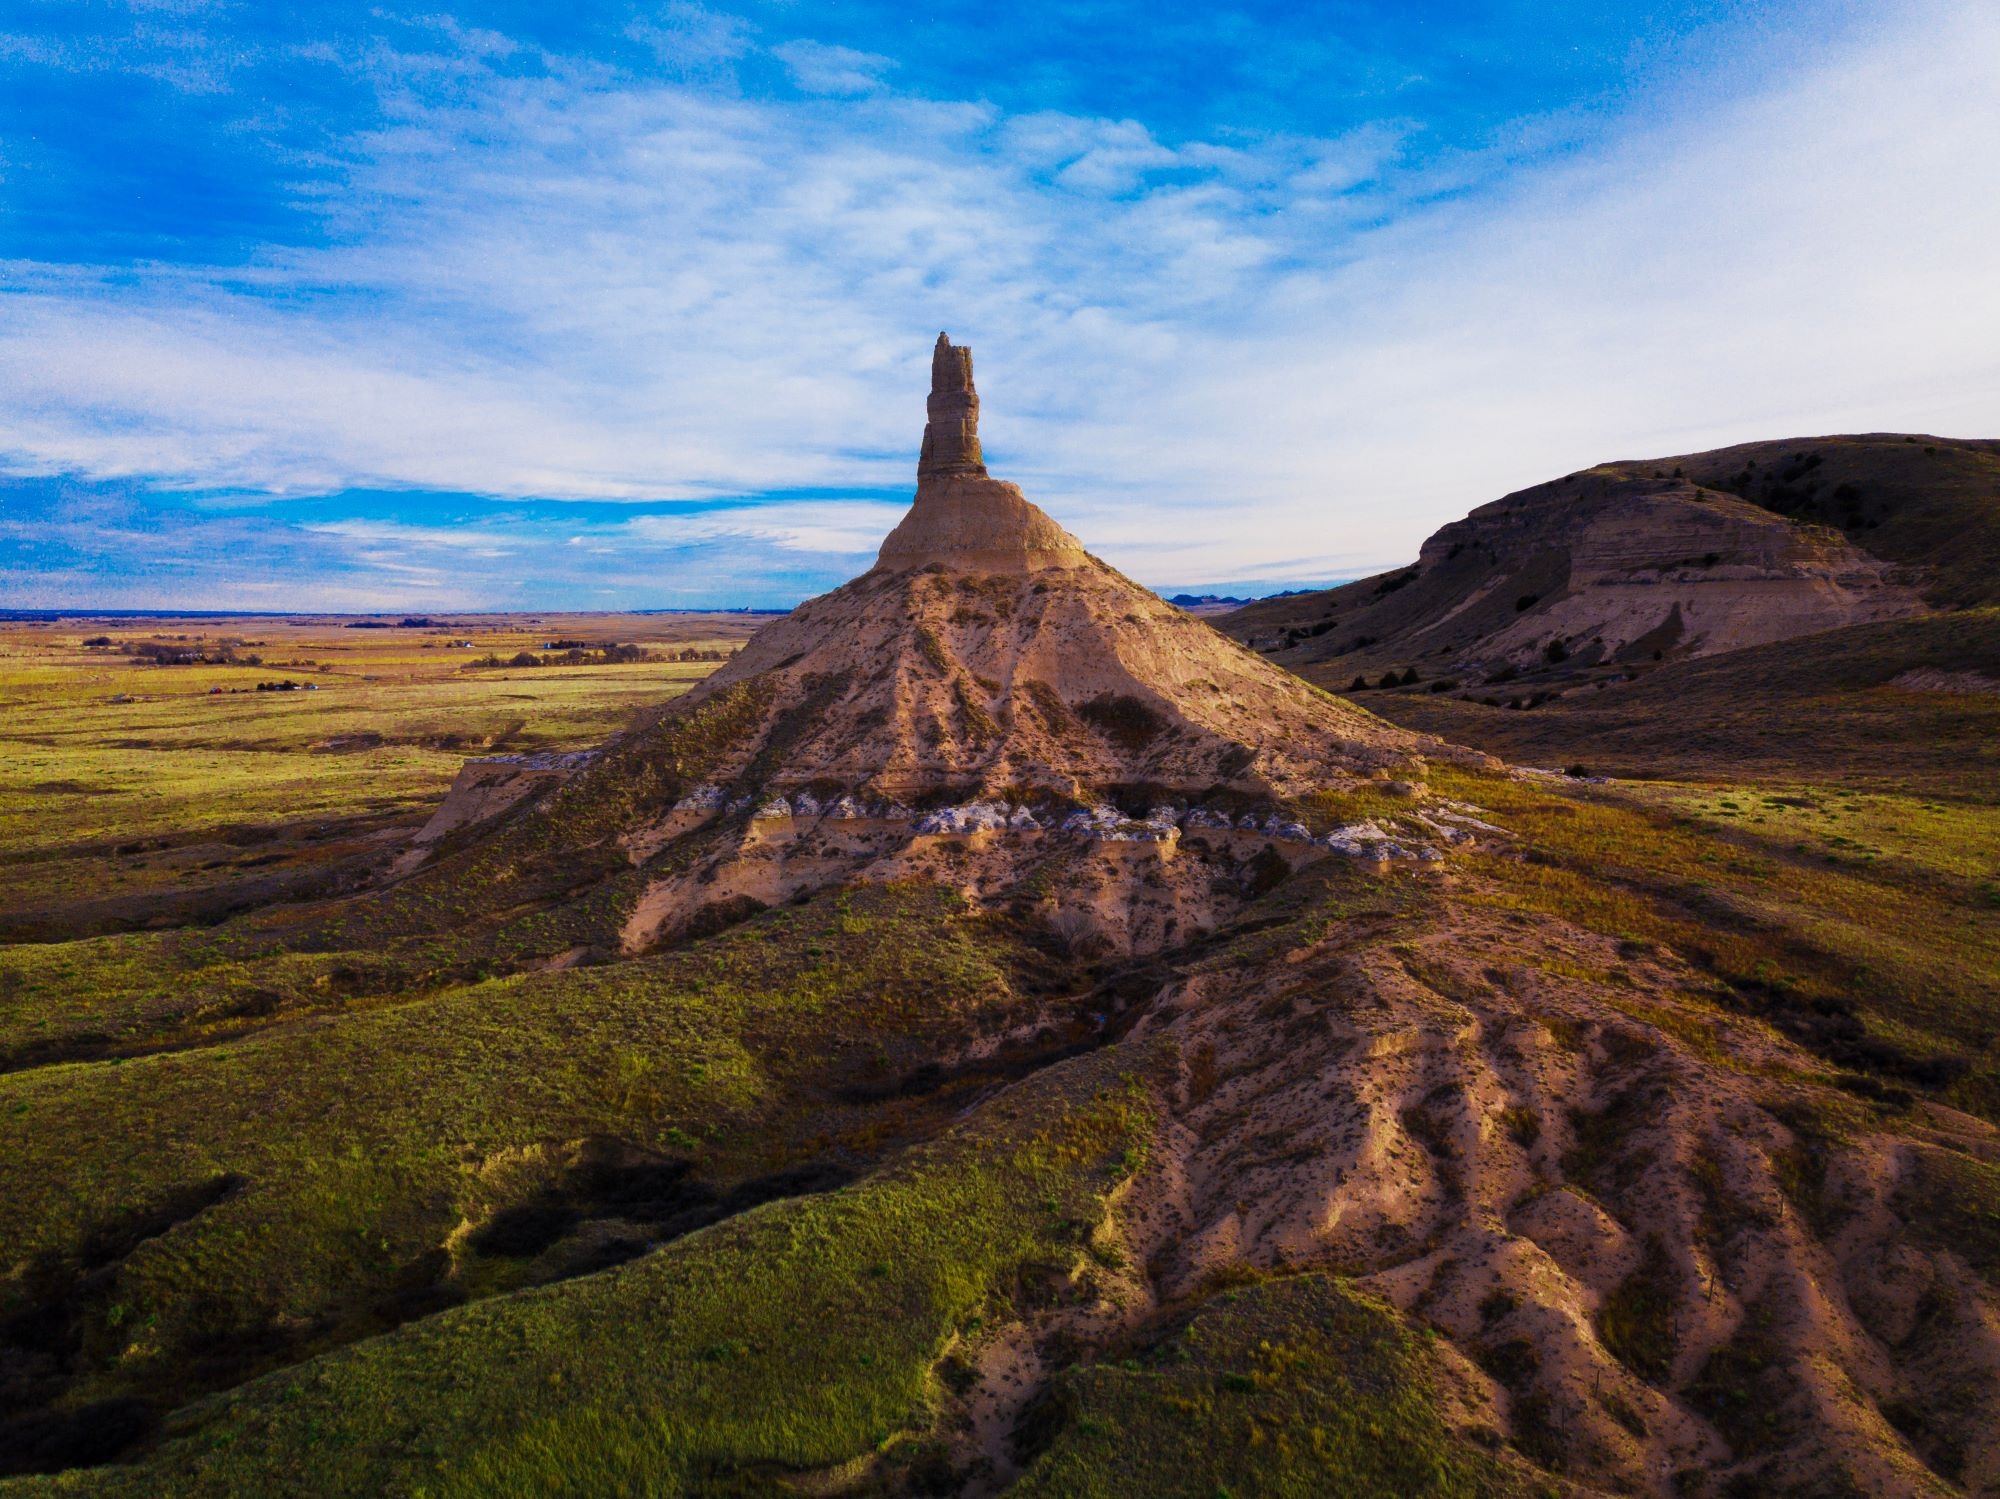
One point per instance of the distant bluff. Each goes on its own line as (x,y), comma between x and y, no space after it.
(1610,572)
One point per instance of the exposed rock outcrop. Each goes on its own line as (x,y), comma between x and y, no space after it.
(490,785)
(987,650)
(951,436)
(963,519)
(1614,568)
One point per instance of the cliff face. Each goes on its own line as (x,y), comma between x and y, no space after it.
(1650,564)
(951,435)
(1617,567)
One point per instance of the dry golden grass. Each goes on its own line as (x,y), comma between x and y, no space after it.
(118,778)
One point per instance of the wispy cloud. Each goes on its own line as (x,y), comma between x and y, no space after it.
(820,68)
(692,40)
(1242,355)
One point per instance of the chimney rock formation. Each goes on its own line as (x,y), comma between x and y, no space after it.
(986,653)
(962,519)
(951,437)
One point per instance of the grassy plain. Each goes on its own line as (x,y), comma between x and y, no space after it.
(119,778)
(315,1202)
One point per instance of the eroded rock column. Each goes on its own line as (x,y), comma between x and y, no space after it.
(951,435)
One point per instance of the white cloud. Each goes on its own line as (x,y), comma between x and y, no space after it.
(691,39)
(1213,359)
(842,528)
(819,68)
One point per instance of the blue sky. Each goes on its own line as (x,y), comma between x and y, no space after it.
(359,307)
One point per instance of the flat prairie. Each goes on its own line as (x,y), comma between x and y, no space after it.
(121,779)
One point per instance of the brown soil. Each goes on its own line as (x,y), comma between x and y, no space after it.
(1596,1193)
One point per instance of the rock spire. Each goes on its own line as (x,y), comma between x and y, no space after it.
(951,438)
(964,519)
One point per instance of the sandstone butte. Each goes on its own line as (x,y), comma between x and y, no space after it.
(987,650)
(986,665)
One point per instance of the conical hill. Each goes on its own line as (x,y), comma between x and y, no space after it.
(986,676)
(987,650)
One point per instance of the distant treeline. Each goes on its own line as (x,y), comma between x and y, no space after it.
(577,655)
(176,653)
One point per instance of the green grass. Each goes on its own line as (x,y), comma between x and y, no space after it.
(802,1335)
(1882,965)
(1956,840)
(181,786)
(1300,1386)
(363,1138)
(142,990)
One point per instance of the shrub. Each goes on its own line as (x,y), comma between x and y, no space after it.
(1127,721)
(1636,1323)
(1526,602)
(1555,651)
(1359,684)
(1392,583)
(1078,932)
(1524,1125)
(932,649)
